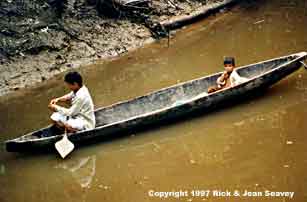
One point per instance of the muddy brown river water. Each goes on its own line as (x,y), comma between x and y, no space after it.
(256,145)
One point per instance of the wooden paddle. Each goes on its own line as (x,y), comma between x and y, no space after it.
(64,146)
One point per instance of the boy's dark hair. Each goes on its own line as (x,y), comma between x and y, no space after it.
(72,77)
(229,60)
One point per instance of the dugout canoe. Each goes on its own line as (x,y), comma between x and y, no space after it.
(167,103)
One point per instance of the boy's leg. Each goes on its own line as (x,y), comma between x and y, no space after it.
(70,129)
(74,124)
(212,89)
(58,119)
(71,125)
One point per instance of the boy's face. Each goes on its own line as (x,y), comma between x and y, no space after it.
(72,87)
(229,67)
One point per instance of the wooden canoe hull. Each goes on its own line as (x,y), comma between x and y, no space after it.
(111,124)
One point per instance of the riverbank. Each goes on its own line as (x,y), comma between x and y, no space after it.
(37,44)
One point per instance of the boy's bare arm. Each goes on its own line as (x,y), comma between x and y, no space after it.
(221,80)
(64,98)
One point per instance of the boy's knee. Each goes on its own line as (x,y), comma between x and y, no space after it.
(58,117)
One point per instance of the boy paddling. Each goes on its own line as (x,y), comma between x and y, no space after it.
(80,115)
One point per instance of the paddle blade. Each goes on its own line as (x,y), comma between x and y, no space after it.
(64,146)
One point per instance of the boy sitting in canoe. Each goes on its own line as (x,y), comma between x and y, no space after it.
(80,116)
(229,77)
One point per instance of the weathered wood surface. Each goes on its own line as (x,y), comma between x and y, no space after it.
(129,2)
(179,21)
(166,104)
(162,28)
(123,5)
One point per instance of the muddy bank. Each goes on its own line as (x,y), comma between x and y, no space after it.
(41,38)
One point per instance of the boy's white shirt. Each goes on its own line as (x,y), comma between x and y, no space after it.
(81,107)
(236,79)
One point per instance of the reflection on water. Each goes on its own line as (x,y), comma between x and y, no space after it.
(256,145)
(83,170)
